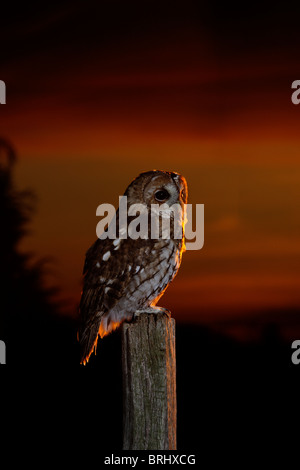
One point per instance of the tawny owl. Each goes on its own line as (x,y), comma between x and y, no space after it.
(126,276)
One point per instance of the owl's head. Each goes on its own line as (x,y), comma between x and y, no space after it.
(158,187)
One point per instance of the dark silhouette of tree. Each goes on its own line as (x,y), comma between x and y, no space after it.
(30,325)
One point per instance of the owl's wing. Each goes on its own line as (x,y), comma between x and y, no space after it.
(107,273)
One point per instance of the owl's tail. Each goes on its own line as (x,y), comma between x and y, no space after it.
(88,335)
(88,338)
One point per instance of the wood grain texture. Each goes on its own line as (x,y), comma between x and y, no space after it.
(149,383)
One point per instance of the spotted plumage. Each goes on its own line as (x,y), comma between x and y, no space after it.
(125,276)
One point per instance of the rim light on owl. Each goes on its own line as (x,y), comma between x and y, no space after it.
(161,220)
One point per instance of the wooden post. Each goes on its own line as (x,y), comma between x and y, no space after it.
(149,383)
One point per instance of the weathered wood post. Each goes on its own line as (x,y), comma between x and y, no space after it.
(149,383)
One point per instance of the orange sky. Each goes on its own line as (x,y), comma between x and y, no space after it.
(87,118)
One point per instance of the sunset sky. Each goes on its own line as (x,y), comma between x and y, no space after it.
(98,92)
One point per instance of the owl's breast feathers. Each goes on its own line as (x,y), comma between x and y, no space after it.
(117,282)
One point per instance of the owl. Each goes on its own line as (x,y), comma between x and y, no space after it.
(124,277)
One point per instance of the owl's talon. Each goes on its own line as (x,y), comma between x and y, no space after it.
(166,312)
(151,310)
(135,315)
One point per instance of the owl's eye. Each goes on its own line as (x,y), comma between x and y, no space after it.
(162,195)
